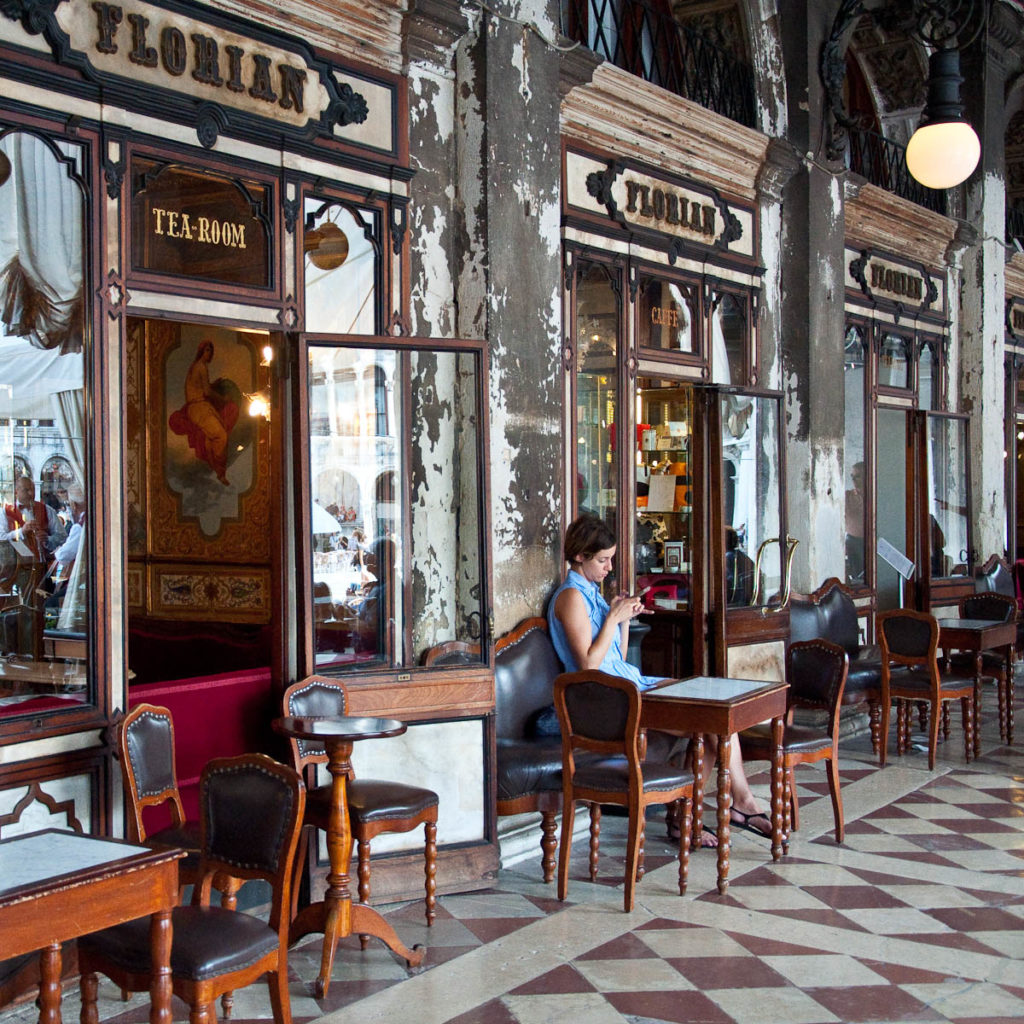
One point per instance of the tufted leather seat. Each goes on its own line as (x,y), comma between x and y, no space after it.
(996,577)
(529,766)
(830,614)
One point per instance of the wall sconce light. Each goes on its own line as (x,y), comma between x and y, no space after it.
(259,404)
(944,150)
(268,355)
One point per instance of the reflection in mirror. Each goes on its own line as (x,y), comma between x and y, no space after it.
(342,260)
(447,557)
(597,346)
(355,487)
(44,548)
(754,543)
(854,454)
(926,383)
(894,361)
(728,339)
(948,540)
(667,318)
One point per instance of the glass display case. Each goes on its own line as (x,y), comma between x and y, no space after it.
(664,493)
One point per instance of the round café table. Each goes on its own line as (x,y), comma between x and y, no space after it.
(338,915)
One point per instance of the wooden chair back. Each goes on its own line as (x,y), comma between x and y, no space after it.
(313,697)
(146,747)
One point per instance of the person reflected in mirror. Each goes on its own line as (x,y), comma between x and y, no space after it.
(589,632)
(373,609)
(66,554)
(32,522)
(739,570)
(855,525)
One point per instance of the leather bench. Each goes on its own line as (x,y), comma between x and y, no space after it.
(830,614)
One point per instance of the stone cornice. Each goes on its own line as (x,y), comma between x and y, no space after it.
(881,220)
(619,113)
(430,31)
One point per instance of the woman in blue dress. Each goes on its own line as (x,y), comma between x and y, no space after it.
(590,633)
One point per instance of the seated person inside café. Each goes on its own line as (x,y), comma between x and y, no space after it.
(65,555)
(589,633)
(32,522)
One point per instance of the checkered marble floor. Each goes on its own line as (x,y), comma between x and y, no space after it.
(917,917)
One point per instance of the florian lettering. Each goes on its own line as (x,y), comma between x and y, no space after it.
(665,206)
(254,73)
(202,230)
(896,282)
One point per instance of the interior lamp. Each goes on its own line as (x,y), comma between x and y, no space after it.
(944,150)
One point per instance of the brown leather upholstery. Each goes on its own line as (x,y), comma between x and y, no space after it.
(374,806)
(816,672)
(529,767)
(252,809)
(910,673)
(599,716)
(996,577)
(829,613)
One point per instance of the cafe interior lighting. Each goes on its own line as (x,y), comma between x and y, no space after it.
(945,149)
(259,404)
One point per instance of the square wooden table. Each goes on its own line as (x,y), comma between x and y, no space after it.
(721,706)
(977,636)
(56,886)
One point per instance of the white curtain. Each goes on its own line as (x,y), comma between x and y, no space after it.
(41,251)
(69,415)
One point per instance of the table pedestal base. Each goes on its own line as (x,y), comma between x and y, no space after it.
(336,921)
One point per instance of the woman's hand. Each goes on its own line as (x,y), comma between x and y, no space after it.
(625,607)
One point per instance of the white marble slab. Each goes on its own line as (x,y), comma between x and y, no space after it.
(30,859)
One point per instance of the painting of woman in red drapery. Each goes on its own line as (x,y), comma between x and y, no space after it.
(209,413)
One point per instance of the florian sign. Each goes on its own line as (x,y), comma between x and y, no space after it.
(199,58)
(688,214)
(900,286)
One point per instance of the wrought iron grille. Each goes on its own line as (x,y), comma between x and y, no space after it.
(654,46)
(1015,226)
(883,163)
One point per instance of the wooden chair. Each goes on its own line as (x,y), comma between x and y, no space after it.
(375,806)
(600,715)
(150,780)
(998,608)
(911,674)
(252,809)
(816,672)
(19,975)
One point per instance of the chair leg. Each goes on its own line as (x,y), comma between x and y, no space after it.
(300,866)
(641,850)
(793,804)
(364,883)
(88,986)
(1008,699)
(945,720)
(922,714)
(595,839)
(883,730)
(565,848)
(837,798)
(875,719)
(933,737)
(430,869)
(685,825)
(901,727)
(229,901)
(635,837)
(970,724)
(280,1001)
(548,844)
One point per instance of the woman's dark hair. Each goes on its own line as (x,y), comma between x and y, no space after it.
(203,346)
(586,536)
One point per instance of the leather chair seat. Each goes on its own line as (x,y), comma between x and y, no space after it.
(919,679)
(371,800)
(184,837)
(528,766)
(864,676)
(208,942)
(612,775)
(800,739)
(991,663)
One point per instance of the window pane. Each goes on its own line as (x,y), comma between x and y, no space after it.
(355,489)
(664,492)
(947,497)
(927,385)
(395,516)
(44,541)
(754,545)
(597,341)
(894,362)
(853,454)
(342,268)
(667,316)
(728,339)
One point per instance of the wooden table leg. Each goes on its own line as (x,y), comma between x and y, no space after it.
(724,809)
(698,789)
(160,987)
(977,704)
(777,791)
(49,984)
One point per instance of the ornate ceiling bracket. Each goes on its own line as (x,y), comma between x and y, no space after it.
(833,74)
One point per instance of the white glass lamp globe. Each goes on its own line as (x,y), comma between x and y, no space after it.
(944,154)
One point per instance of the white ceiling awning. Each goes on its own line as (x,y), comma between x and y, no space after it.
(29,376)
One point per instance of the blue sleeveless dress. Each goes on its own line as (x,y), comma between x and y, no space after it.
(597,610)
